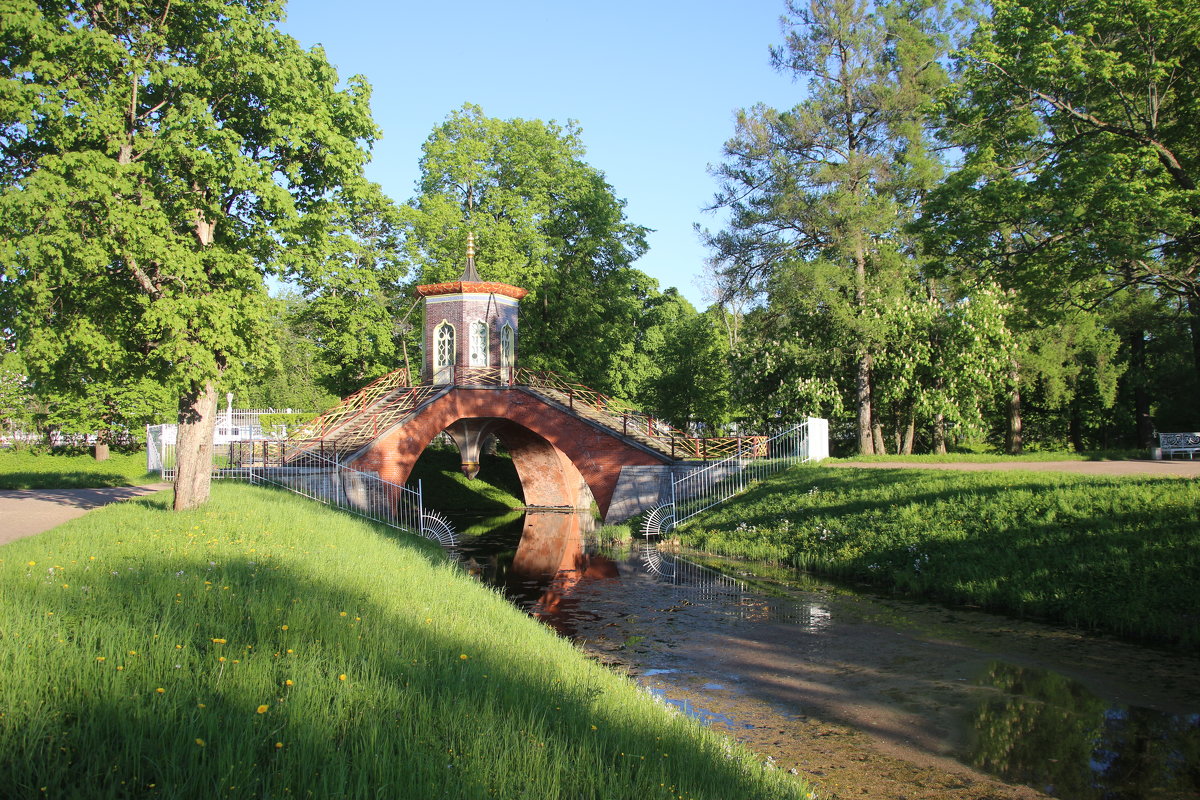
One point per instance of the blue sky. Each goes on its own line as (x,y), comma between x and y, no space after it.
(654,85)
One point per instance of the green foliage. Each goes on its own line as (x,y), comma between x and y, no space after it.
(546,221)
(1109,554)
(280,424)
(269,644)
(24,470)
(157,161)
(818,196)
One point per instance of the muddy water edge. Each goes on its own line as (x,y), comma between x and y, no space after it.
(862,695)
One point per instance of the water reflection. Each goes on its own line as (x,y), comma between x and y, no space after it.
(1048,731)
(1023,725)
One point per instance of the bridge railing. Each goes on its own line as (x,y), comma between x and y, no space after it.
(704,487)
(373,409)
(319,476)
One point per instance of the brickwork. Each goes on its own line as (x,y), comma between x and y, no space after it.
(540,434)
(460,310)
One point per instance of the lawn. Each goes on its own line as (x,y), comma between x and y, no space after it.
(24,470)
(1119,555)
(267,647)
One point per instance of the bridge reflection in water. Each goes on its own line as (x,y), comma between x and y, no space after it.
(545,559)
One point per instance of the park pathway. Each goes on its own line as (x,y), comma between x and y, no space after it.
(26,512)
(1160,469)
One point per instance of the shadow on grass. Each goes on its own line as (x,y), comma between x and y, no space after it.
(70,480)
(412,718)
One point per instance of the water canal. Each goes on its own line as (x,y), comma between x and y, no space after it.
(864,696)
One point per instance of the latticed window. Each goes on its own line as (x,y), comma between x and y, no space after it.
(508,351)
(479,344)
(443,362)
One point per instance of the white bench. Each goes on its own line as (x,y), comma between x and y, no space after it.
(1184,443)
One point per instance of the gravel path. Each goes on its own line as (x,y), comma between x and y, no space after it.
(1162,469)
(26,512)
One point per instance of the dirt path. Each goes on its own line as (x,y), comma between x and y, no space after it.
(1162,469)
(27,512)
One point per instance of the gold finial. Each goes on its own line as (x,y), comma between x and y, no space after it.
(470,244)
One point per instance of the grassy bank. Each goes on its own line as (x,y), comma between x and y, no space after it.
(1120,555)
(24,470)
(266,647)
(993,458)
(496,489)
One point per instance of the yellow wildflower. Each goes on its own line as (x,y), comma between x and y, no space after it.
(262,709)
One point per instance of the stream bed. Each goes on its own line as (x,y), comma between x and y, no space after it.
(862,695)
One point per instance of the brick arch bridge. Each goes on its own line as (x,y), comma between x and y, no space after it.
(570,445)
(563,459)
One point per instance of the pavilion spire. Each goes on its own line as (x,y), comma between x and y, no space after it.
(469,272)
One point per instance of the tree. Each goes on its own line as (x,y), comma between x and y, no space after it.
(1078,123)
(155,159)
(545,220)
(820,192)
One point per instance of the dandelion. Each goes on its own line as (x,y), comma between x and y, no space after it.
(160,690)
(221,659)
(33,563)
(289,682)
(100,658)
(201,705)
(342,614)
(200,742)
(342,677)
(279,745)
(283,627)
(463,656)
(262,709)
(218,641)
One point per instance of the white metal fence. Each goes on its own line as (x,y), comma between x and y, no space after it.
(704,487)
(315,476)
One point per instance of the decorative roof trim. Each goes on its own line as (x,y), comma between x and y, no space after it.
(471,287)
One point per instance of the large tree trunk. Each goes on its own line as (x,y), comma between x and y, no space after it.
(877,439)
(1015,441)
(866,441)
(910,433)
(939,434)
(194,447)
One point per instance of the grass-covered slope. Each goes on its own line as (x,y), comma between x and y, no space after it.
(1120,555)
(266,647)
(24,470)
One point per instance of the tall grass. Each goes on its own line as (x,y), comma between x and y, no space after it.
(1120,555)
(24,470)
(265,647)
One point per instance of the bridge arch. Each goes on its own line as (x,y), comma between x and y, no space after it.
(557,454)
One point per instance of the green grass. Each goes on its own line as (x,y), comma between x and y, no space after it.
(24,470)
(267,647)
(1119,555)
(991,458)
(496,488)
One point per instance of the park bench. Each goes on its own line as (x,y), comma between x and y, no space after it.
(1184,443)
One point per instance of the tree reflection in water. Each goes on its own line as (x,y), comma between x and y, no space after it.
(1046,730)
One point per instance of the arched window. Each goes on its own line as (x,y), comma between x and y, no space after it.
(479,344)
(508,352)
(443,353)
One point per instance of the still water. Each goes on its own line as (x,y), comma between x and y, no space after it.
(1071,716)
